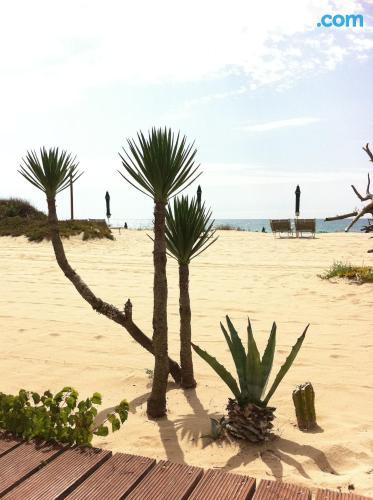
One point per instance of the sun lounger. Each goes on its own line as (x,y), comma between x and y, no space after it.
(281,226)
(305,226)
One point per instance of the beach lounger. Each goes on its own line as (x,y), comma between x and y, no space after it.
(281,226)
(305,226)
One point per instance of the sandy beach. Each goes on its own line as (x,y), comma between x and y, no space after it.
(50,338)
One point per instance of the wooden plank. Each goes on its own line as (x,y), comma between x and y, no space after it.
(61,475)
(277,490)
(23,461)
(117,477)
(220,485)
(167,480)
(336,495)
(7,442)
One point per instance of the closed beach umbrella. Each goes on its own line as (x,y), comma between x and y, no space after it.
(199,195)
(297,201)
(107,198)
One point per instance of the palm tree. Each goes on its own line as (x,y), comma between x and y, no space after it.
(188,234)
(161,165)
(51,173)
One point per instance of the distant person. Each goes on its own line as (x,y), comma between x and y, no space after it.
(125,225)
(263,229)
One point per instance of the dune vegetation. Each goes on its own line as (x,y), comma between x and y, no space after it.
(18,217)
(359,274)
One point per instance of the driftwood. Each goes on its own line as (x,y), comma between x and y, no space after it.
(368,209)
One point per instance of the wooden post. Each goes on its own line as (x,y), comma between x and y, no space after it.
(71,198)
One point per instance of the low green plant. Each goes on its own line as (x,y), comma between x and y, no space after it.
(253,372)
(360,274)
(227,227)
(249,416)
(37,229)
(12,207)
(60,417)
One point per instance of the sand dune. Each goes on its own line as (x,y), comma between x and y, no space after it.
(50,338)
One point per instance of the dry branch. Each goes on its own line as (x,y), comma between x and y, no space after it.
(368,209)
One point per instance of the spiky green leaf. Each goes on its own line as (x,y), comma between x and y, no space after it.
(160,165)
(285,367)
(238,355)
(253,367)
(188,229)
(219,369)
(51,172)
(267,359)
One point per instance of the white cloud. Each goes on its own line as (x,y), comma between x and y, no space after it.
(239,175)
(56,52)
(279,124)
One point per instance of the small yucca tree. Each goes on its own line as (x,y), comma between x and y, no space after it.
(188,233)
(159,165)
(249,416)
(51,173)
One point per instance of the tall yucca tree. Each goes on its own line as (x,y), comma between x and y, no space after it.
(188,233)
(51,172)
(160,165)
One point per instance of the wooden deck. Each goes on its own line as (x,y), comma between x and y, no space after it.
(35,471)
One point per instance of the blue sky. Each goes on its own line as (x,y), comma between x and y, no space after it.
(271,100)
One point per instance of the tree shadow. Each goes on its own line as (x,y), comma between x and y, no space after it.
(167,428)
(190,424)
(280,451)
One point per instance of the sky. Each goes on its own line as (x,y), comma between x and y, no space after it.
(270,99)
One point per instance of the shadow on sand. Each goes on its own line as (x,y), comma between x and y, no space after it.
(274,453)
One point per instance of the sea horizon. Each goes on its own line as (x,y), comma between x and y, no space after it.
(255,225)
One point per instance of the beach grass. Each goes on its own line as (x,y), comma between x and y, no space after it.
(19,218)
(227,227)
(359,274)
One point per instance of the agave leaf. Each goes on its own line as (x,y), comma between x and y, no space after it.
(238,355)
(267,359)
(253,367)
(219,369)
(285,367)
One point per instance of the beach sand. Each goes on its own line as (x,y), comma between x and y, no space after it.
(50,337)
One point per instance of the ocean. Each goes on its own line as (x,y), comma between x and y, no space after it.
(337,226)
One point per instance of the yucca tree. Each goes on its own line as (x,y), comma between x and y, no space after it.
(249,416)
(188,234)
(160,165)
(51,172)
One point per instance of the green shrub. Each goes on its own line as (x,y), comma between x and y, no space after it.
(37,229)
(360,274)
(60,417)
(13,207)
(228,227)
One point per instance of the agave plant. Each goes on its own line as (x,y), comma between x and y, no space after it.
(188,233)
(160,166)
(249,416)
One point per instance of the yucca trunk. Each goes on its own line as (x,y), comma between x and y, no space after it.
(122,318)
(186,360)
(249,422)
(156,406)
